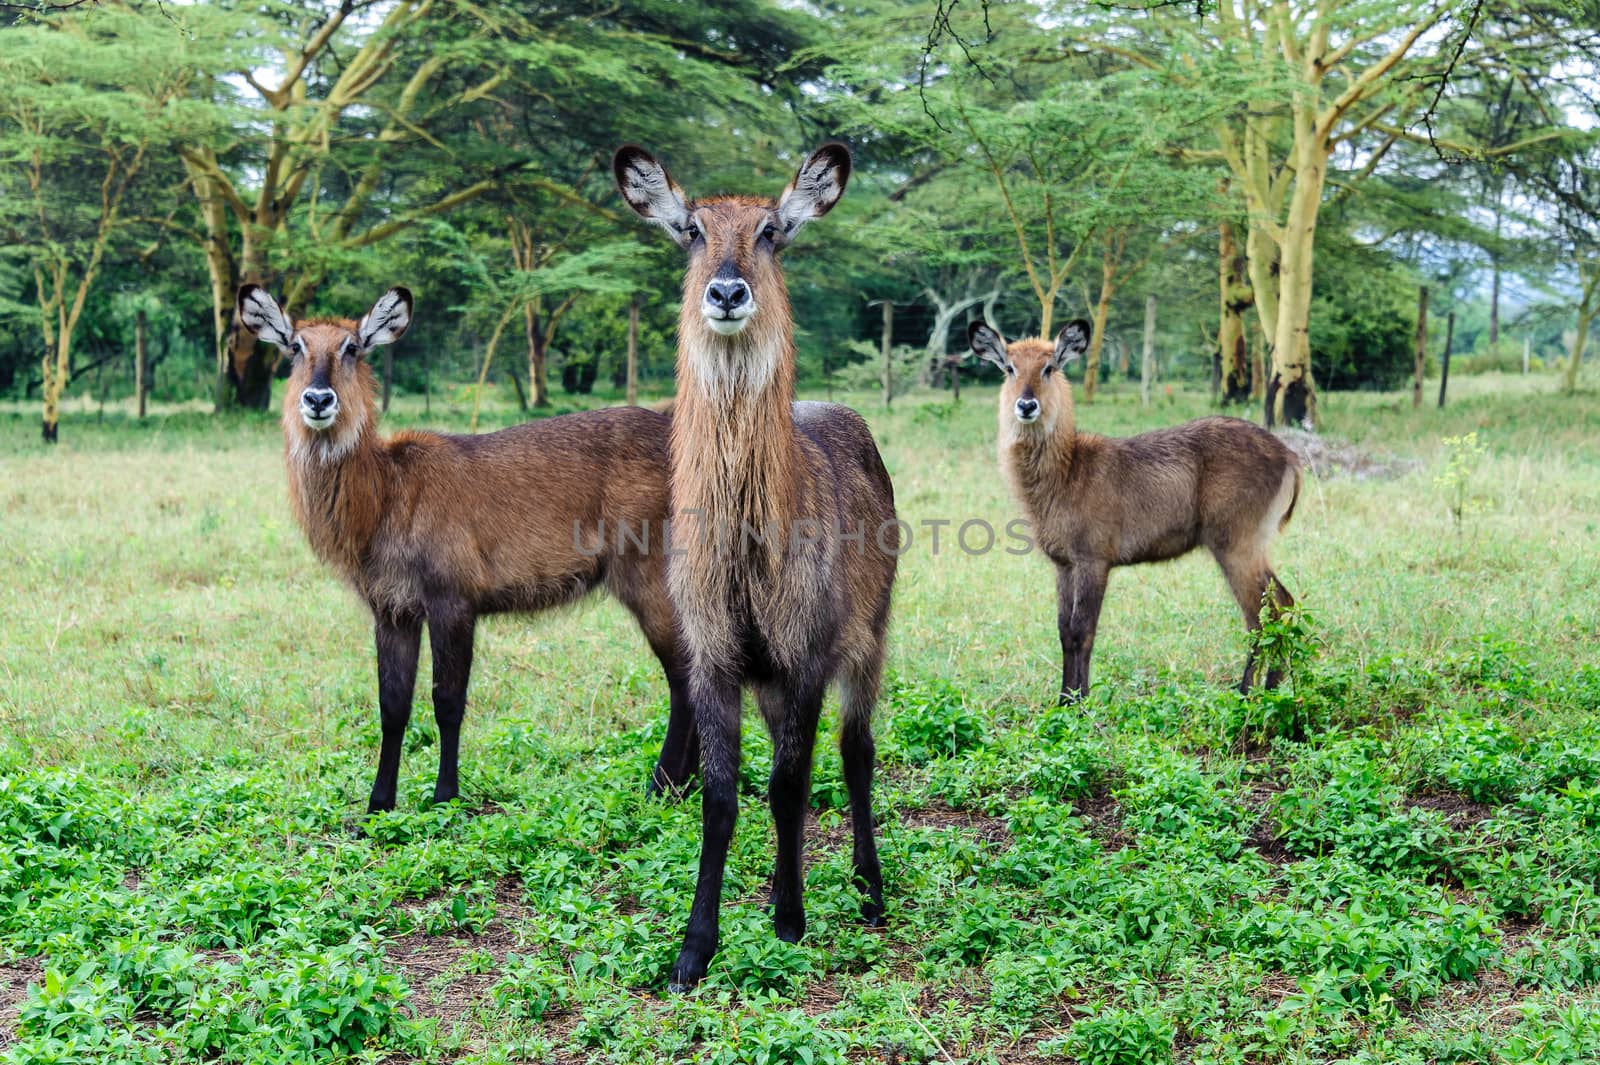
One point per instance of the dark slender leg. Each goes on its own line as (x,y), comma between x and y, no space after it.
(1281,600)
(857,751)
(1080,592)
(791,711)
(397,641)
(1071,683)
(1250,579)
(450,631)
(716,712)
(680,751)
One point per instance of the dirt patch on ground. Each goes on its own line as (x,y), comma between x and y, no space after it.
(14,980)
(1263,838)
(1329,457)
(1102,814)
(444,985)
(989,829)
(821,840)
(1459,811)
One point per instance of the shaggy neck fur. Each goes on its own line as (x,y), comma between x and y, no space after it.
(734,459)
(1038,458)
(335,488)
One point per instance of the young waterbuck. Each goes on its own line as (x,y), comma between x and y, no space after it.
(784,517)
(1097,502)
(442,529)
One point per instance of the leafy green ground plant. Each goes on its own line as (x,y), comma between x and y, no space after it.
(1395,864)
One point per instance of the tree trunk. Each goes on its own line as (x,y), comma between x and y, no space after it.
(1527,350)
(1494,307)
(1291,397)
(1235,296)
(54,381)
(1570,378)
(537,383)
(1258,365)
(1422,345)
(633,351)
(1147,365)
(141,363)
(516,386)
(1494,287)
(1586,312)
(1444,363)
(249,371)
(938,337)
(248,367)
(1570,382)
(888,367)
(220,269)
(1264,266)
(1097,336)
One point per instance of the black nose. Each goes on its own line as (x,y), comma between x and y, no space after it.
(727,295)
(1027,407)
(317,400)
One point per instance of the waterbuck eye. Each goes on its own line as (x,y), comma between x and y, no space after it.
(770,234)
(691,232)
(1048,370)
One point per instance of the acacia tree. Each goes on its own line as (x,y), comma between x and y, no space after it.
(1293,82)
(406,70)
(87,114)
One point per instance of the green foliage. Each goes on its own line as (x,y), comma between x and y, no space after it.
(1458,479)
(1120,1037)
(1158,872)
(931,721)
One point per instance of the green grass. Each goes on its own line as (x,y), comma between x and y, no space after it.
(1395,860)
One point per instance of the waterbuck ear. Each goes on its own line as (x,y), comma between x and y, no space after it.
(258,312)
(388,320)
(1072,341)
(987,344)
(652,194)
(815,188)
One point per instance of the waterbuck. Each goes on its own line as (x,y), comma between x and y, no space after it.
(1097,502)
(442,529)
(785,518)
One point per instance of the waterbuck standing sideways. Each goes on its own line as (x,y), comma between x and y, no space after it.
(1097,502)
(442,529)
(784,517)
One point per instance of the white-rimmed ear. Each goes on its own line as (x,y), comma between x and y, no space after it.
(1072,341)
(987,344)
(388,320)
(651,192)
(257,311)
(816,187)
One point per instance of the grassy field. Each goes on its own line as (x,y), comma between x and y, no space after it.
(1395,860)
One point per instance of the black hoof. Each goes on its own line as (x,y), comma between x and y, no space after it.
(687,973)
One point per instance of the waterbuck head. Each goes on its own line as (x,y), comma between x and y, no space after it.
(1036,391)
(330,395)
(735,305)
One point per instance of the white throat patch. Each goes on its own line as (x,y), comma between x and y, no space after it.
(729,364)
